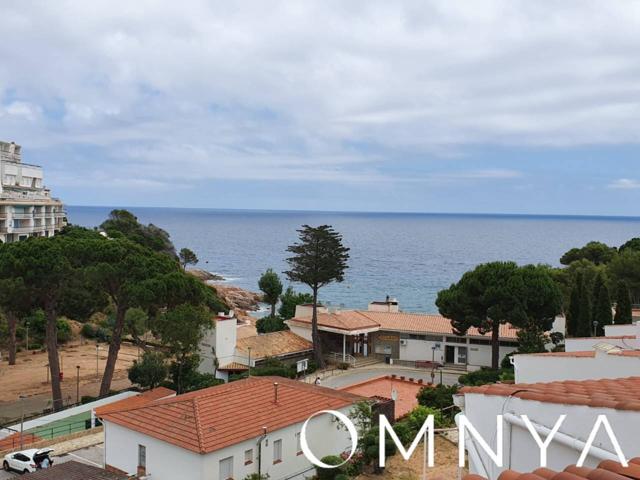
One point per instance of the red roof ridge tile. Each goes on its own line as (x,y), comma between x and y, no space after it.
(196,410)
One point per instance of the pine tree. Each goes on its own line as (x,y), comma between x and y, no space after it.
(623,304)
(601,305)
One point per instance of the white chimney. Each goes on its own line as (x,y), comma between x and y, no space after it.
(390,304)
(306,310)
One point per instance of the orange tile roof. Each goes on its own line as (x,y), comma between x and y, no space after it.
(214,418)
(273,344)
(407,390)
(136,401)
(352,320)
(618,393)
(578,354)
(233,366)
(606,470)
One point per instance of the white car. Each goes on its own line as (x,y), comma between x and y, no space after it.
(26,461)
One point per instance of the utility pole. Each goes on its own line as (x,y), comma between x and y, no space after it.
(97,360)
(22,397)
(77,383)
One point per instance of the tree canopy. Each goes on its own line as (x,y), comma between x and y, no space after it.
(501,292)
(124,223)
(289,300)
(271,288)
(596,252)
(187,257)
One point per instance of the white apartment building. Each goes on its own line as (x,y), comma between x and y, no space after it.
(543,403)
(251,426)
(613,356)
(26,206)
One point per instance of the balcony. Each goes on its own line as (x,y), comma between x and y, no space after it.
(22,216)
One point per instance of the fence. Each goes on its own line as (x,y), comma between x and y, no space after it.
(38,434)
(336,357)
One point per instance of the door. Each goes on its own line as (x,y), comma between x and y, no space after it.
(462,356)
(450,354)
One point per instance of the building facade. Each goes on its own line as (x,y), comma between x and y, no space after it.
(389,334)
(229,431)
(27,208)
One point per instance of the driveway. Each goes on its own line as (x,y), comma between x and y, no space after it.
(357,375)
(90,455)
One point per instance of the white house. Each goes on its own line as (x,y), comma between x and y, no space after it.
(222,352)
(612,356)
(386,332)
(581,401)
(26,206)
(229,431)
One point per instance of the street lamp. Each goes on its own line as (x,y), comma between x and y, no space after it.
(22,397)
(26,325)
(77,383)
(249,371)
(97,359)
(595,328)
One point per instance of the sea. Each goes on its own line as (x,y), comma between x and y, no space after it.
(409,256)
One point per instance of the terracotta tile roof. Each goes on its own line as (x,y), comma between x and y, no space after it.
(606,470)
(578,354)
(233,366)
(407,390)
(618,393)
(136,401)
(627,353)
(352,320)
(73,470)
(273,344)
(214,418)
(610,337)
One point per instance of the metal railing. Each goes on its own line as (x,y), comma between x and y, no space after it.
(38,434)
(338,357)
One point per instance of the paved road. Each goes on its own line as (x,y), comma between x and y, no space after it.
(357,375)
(91,455)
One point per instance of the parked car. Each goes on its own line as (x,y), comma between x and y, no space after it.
(27,461)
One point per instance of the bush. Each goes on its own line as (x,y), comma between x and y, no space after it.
(480,377)
(343,366)
(89,330)
(270,324)
(150,371)
(341,476)
(438,397)
(330,473)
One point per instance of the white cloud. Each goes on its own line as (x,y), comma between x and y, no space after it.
(625,184)
(283,90)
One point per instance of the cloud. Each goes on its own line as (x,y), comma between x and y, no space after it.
(314,90)
(625,184)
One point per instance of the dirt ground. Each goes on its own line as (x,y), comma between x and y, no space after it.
(446,465)
(29,377)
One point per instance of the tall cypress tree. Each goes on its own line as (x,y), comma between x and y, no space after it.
(574,308)
(623,304)
(601,304)
(583,323)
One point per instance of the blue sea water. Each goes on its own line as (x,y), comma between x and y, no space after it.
(409,256)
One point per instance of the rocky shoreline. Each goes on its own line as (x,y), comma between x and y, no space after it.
(238,299)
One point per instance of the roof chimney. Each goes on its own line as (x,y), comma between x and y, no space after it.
(275,392)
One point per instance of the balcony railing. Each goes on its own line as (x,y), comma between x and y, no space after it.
(22,216)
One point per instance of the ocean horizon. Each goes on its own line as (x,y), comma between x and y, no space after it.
(407,255)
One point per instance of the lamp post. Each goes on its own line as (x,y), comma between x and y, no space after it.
(249,350)
(22,397)
(26,326)
(77,383)
(595,328)
(97,359)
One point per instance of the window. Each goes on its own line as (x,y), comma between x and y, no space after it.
(475,341)
(298,444)
(226,468)
(277,451)
(248,456)
(456,340)
(142,456)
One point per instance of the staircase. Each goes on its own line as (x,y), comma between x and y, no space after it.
(454,368)
(366,361)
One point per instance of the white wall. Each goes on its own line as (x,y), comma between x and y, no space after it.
(548,368)
(421,350)
(164,461)
(520,450)
(617,330)
(480,355)
(304,332)
(169,462)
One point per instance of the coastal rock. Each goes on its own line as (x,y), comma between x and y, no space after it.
(204,275)
(238,298)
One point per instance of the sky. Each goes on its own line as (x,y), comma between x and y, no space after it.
(367,105)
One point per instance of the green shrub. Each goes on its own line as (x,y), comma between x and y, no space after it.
(480,377)
(438,397)
(341,476)
(89,330)
(330,473)
(343,366)
(270,324)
